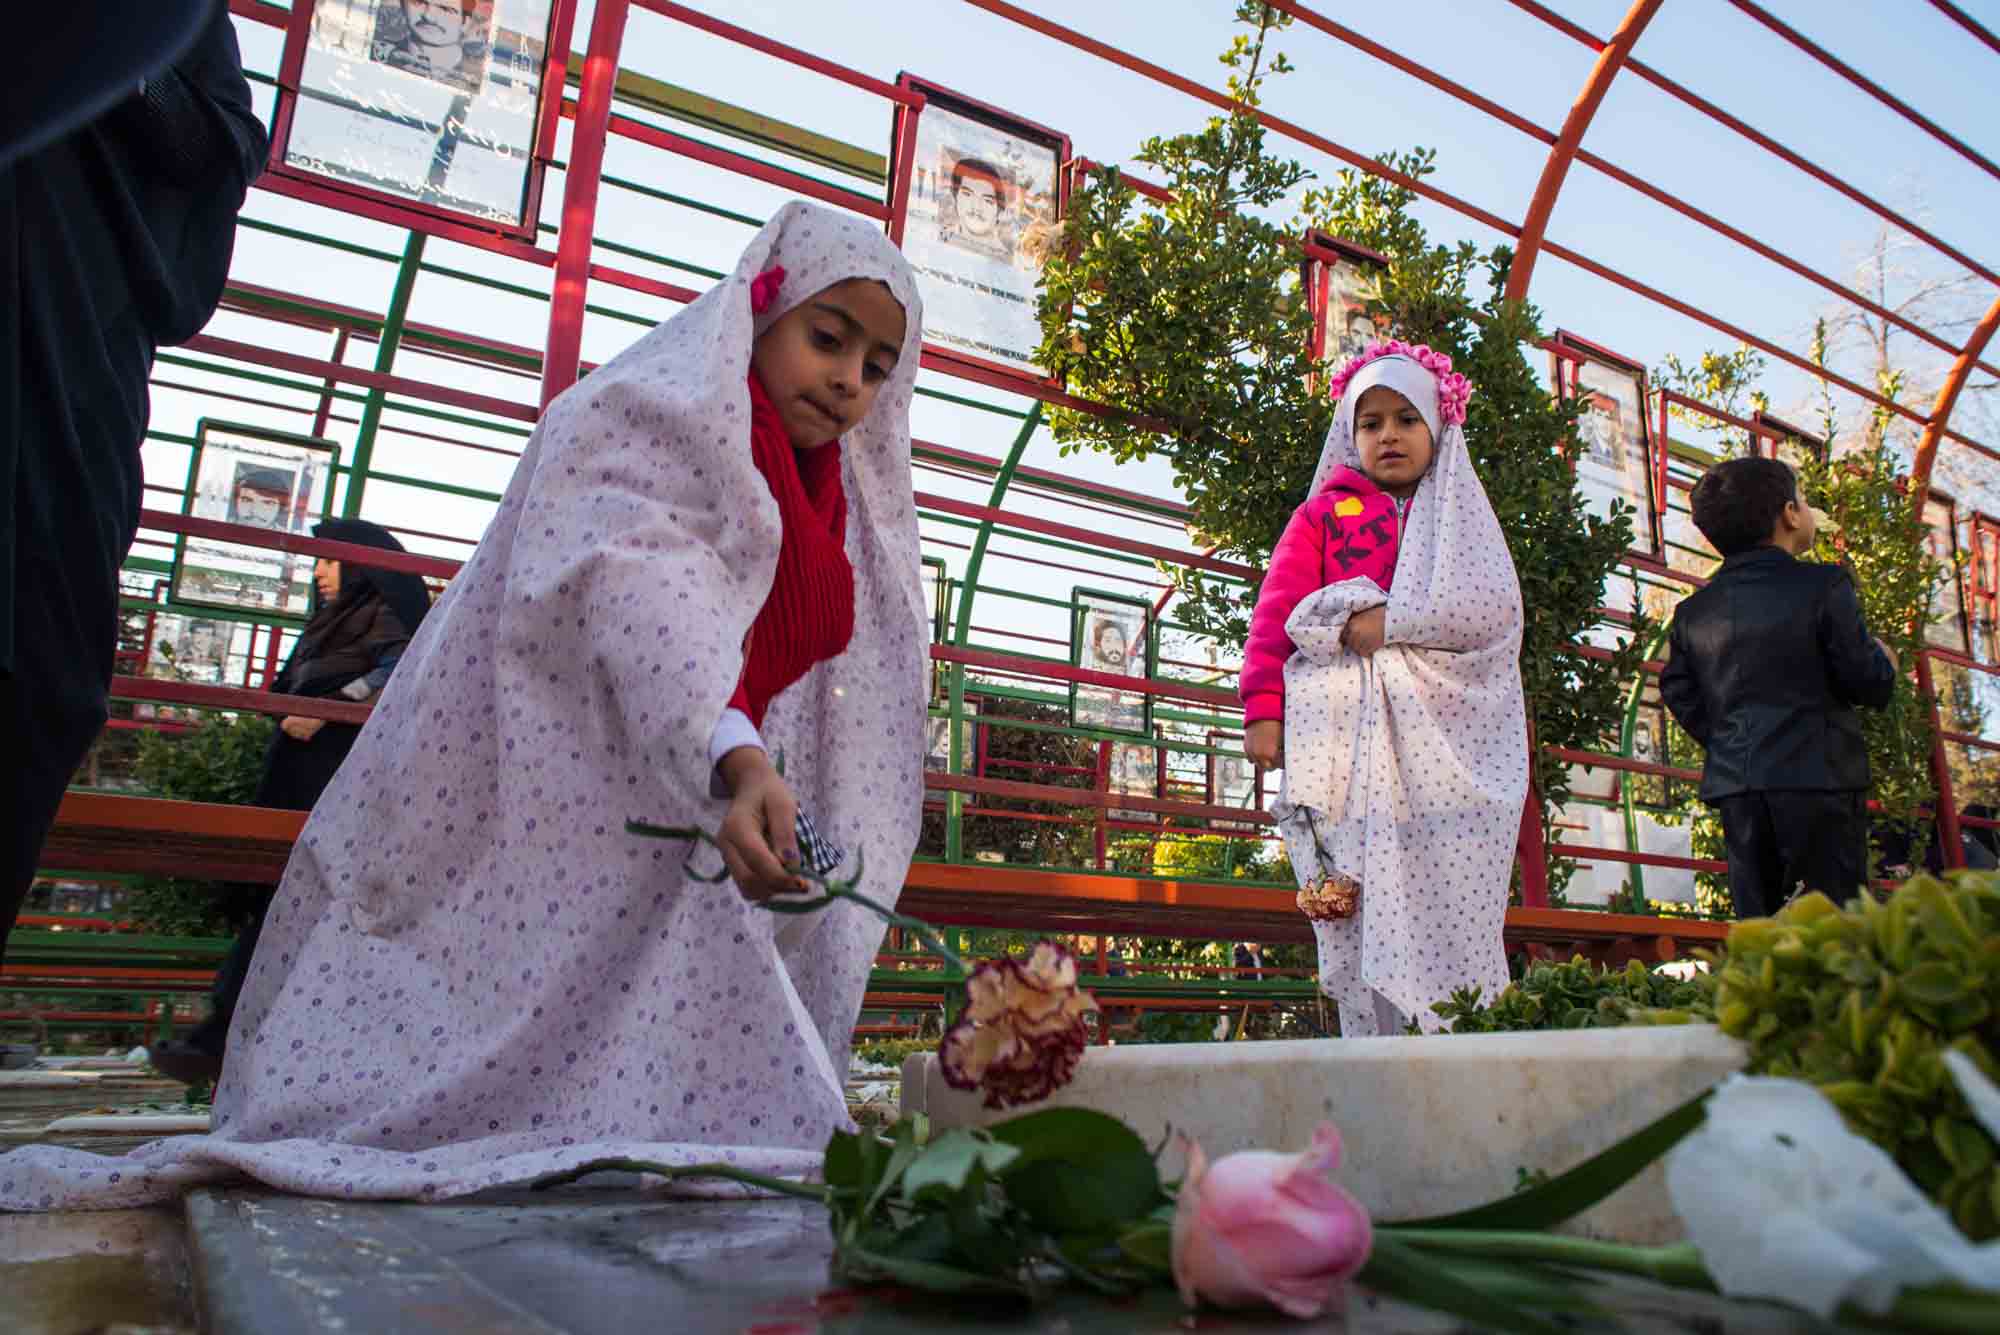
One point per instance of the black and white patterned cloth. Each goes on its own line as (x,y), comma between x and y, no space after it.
(820,855)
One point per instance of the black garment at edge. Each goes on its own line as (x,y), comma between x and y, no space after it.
(114,241)
(295,772)
(87,58)
(1766,666)
(1778,842)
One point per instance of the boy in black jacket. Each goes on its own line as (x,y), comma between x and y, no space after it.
(1766,666)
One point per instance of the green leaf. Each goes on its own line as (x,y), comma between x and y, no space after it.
(903,1151)
(1066,1133)
(1564,1197)
(844,1161)
(1402,1271)
(1150,1245)
(861,1264)
(1078,1170)
(946,1163)
(1934,983)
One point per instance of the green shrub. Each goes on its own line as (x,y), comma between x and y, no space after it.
(220,759)
(1580,995)
(1863,1002)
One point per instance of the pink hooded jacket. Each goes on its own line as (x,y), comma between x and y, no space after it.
(1348,531)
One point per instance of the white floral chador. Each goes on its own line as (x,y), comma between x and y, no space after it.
(471,974)
(1407,771)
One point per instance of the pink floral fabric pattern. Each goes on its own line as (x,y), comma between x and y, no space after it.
(1407,770)
(1453,391)
(471,975)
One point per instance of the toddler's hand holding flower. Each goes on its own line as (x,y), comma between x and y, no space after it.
(1262,1228)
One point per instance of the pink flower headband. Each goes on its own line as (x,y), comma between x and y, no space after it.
(1454,390)
(764,289)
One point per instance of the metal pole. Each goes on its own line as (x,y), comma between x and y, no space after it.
(385,362)
(954,812)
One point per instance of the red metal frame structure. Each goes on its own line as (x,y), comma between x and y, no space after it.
(574,267)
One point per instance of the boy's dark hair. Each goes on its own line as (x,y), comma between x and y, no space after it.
(1737,503)
(982,171)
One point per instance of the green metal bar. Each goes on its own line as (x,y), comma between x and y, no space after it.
(669,197)
(954,820)
(385,362)
(259,377)
(960,521)
(317,239)
(448,488)
(1067,486)
(993,408)
(709,113)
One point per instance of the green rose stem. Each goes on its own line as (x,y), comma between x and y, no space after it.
(1933,1311)
(829,891)
(808,1191)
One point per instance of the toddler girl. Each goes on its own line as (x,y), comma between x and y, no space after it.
(471,974)
(1382,672)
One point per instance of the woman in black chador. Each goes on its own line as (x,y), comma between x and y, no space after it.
(362,620)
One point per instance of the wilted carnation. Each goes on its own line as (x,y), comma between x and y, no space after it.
(1022,1032)
(1329,897)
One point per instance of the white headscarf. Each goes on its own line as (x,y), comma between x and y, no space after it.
(1414,763)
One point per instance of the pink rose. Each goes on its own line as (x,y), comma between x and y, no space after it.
(1262,1228)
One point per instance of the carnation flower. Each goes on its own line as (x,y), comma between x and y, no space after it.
(1454,390)
(1022,1031)
(764,288)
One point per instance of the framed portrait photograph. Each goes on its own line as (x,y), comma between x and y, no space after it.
(937,585)
(192,649)
(1111,632)
(937,743)
(1946,628)
(260,479)
(1788,443)
(438,105)
(1615,458)
(1133,771)
(982,211)
(1339,277)
(1232,779)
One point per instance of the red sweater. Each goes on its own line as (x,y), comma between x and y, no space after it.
(808,617)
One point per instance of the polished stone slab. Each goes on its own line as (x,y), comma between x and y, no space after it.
(615,1260)
(111,1270)
(1430,1124)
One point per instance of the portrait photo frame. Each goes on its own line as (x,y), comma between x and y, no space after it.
(1111,632)
(937,597)
(981,211)
(260,478)
(1615,458)
(1945,627)
(432,109)
(1337,276)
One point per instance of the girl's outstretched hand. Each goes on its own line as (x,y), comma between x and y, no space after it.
(1364,630)
(1264,742)
(759,835)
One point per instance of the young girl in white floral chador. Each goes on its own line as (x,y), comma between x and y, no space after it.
(1383,673)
